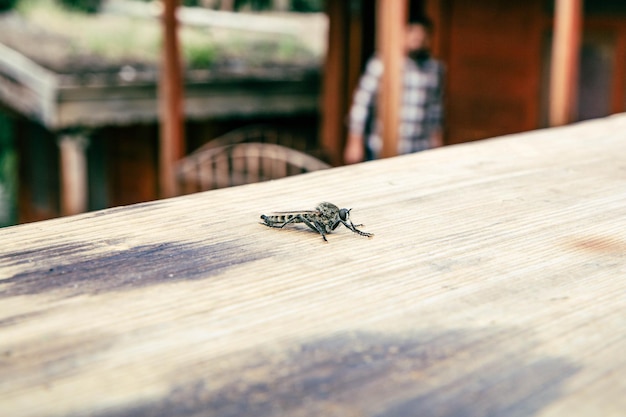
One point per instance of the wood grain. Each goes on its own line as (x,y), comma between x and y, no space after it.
(494,286)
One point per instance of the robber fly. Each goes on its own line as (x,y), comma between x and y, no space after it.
(324,219)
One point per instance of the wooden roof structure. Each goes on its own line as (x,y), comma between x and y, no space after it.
(61,102)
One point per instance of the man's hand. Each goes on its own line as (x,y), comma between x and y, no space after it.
(354,151)
(436,140)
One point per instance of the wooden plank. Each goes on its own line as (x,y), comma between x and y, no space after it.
(225,18)
(565,61)
(259,97)
(492,287)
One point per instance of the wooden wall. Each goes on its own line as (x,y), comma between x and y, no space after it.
(492,50)
(121,161)
(497,54)
(38,172)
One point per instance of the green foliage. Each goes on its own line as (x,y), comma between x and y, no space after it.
(190,3)
(122,39)
(7,5)
(87,6)
(198,55)
(8,173)
(307,5)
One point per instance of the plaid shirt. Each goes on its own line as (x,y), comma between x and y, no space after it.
(421,109)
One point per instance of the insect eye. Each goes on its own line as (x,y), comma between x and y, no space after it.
(343,214)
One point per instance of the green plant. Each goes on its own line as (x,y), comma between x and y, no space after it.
(7,5)
(87,6)
(198,55)
(8,173)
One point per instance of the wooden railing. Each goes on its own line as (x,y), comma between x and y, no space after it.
(494,285)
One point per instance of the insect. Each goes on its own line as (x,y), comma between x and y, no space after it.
(324,219)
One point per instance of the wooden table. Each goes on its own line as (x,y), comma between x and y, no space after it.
(495,285)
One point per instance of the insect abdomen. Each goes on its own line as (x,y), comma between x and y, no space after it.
(280,218)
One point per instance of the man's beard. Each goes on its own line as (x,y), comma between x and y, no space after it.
(420,56)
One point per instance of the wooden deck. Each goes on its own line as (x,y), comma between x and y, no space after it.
(495,285)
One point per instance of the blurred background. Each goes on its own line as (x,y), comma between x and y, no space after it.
(81,106)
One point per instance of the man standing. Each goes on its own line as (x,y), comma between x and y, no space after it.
(422,101)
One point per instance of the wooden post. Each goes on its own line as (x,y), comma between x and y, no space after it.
(171,102)
(565,61)
(74,188)
(227,5)
(334,100)
(390,32)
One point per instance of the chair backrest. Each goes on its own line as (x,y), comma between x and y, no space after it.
(293,137)
(242,163)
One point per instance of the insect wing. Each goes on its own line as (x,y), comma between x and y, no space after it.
(284,217)
(295,212)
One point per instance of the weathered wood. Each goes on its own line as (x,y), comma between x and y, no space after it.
(263,96)
(494,286)
(27,87)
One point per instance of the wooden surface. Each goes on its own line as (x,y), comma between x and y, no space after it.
(494,286)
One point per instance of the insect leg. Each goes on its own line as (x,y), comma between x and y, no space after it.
(352,227)
(314,225)
(338,222)
(317,226)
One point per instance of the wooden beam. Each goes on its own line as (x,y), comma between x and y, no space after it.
(73,161)
(28,87)
(390,32)
(171,101)
(565,61)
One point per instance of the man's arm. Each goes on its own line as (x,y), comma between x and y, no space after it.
(361,109)
(434,110)
(354,151)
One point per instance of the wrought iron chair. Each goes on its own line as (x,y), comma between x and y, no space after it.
(221,164)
